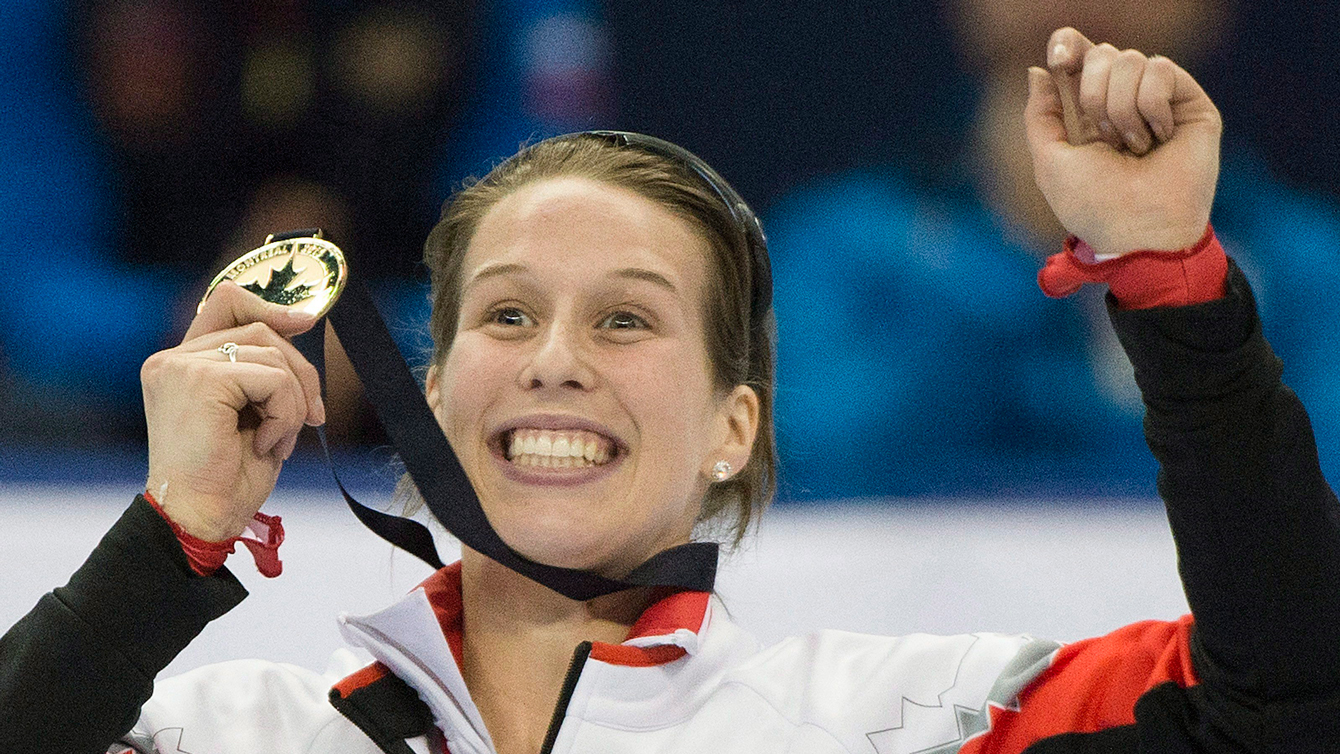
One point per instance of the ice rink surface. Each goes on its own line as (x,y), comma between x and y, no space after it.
(1051,570)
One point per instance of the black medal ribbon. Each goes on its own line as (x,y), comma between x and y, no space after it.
(413,430)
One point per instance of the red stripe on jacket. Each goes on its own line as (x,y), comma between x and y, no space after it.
(1093,685)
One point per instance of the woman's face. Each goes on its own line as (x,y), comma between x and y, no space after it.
(578,393)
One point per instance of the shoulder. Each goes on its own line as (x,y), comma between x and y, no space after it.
(902,693)
(260,705)
(919,667)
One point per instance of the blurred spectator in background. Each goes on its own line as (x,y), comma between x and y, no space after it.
(149,142)
(204,105)
(954,371)
(545,71)
(145,142)
(194,126)
(71,318)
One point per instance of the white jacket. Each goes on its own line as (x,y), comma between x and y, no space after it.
(686,680)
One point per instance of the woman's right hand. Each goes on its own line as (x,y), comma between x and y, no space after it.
(219,431)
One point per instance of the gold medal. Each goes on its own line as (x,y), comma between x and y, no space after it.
(306,273)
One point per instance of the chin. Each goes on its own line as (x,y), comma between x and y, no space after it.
(556,539)
(587,526)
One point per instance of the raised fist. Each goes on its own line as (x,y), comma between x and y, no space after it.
(1125,146)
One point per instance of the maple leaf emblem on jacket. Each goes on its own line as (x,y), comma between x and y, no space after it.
(278,290)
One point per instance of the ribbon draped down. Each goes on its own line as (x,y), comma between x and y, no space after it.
(413,430)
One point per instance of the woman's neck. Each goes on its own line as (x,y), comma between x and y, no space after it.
(518,640)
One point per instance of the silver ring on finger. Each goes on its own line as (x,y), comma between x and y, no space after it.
(229,349)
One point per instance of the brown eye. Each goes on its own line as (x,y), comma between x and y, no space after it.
(623,321)
(511,316)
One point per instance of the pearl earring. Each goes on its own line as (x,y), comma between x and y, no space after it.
(721,471)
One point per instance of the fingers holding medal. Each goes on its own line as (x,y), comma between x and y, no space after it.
(224,408)
(259,343)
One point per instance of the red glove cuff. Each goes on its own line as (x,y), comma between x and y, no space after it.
(1141,279)
(206,557)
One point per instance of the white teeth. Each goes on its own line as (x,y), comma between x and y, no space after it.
(558,449)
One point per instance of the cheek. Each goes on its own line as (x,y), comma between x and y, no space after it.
(672,401)
(467,380)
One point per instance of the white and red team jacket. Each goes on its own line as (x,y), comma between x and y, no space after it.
(686,680)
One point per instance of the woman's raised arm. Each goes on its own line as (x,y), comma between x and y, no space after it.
(75,670)
(221,425)
(1257,666)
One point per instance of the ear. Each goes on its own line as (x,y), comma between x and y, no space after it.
(737,423)
(430,389)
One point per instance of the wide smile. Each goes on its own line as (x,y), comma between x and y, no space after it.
(555,450)
(560,449)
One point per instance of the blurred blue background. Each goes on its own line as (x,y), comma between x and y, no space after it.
(145,143)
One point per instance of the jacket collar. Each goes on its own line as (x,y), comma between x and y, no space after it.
(667,630)
(418,639)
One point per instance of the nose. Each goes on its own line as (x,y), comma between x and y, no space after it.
(557,362)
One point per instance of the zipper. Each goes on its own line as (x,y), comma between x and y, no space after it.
(565,695)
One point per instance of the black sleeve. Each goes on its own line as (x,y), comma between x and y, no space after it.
(75,671)
(1256,525)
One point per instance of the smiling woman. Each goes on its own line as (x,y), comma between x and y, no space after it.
(674,226)
(563,328)
(603,372)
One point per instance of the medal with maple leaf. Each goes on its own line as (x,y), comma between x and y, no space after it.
(305,273)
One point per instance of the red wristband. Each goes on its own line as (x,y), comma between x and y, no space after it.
(1141,279)
(206,557)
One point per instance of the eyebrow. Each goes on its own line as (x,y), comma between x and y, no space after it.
(656,278)
(635,273)
(493,270)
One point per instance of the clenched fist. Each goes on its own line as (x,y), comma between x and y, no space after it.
(1125,146)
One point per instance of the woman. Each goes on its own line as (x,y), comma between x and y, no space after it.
(589,296)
